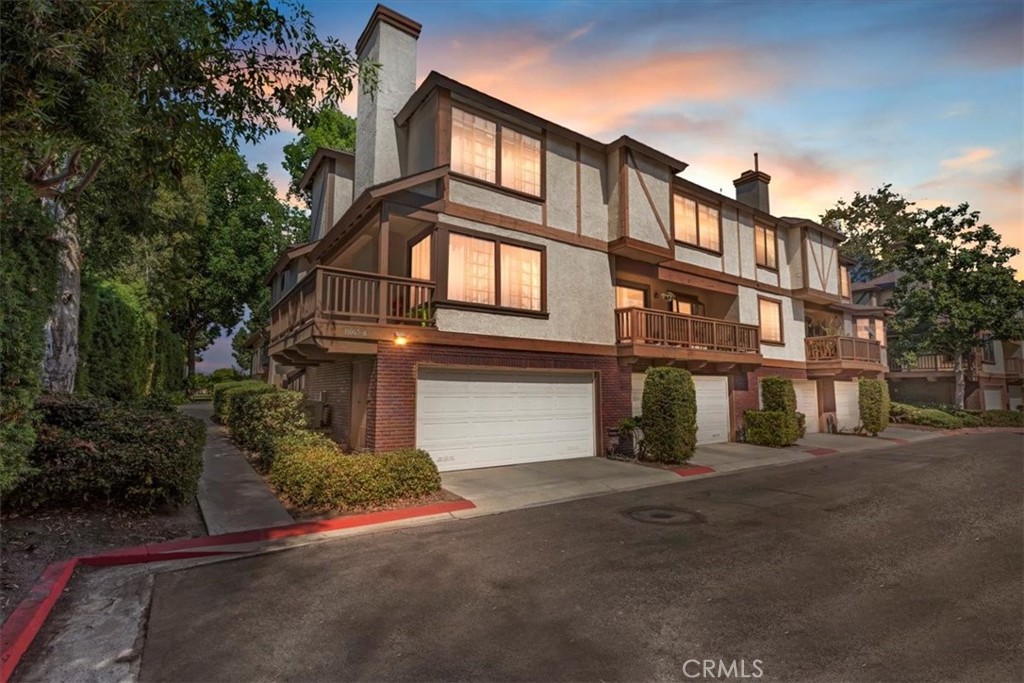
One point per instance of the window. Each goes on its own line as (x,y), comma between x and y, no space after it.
(520,277)
(419,259)
(844,282)
(687,306)
(771,320)
(764,246)
(630,297)
(473,267)
(880,331)
(863,328)
(475,145)
(696,223)
(988,351)
(470,269)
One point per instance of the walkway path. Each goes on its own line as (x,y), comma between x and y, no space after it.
(231,495)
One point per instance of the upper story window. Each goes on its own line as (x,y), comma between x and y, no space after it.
(687,305)
(844,282)
(988,351)
(474,265)
(696,223)
(630,297)
(765,246)
(475,145)
(419,258)
(770,311)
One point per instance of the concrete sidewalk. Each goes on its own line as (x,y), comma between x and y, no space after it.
(232,497)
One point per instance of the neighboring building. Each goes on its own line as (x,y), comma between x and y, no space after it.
(994,373)
(490,286)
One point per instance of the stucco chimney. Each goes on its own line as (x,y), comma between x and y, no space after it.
(752,187)
(389,39)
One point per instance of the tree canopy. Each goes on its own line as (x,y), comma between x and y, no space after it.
(331,128)
(870,223)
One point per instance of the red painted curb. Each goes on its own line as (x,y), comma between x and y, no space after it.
(693,470)
(821,451)
(23,624)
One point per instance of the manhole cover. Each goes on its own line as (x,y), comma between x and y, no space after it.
(664,515)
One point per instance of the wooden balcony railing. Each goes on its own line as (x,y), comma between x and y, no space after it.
(648,326)
(336,294)
(1014,366)
(927,362)
(838,348)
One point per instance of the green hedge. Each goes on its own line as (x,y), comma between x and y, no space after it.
(93,453)
(775,428)
(1002,418)
(116,344)
(778,394)
(169,361)
(222,398)
(874,404)
(669,415)
(258,419)
(320,476)
(928,417)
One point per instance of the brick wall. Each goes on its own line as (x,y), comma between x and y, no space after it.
(391,409)
(749,398)
(334,380)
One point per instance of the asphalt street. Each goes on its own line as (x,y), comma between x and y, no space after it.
(899,564)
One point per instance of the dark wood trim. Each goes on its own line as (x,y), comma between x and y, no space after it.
(443,130)
(579,192)
(623,194)
(544,177)
(383,259)
(710,252)
(779,363)
(803,256)
(500,189)
(726,277)
(781,341)
(327,218)
(497,310)
(692,280)
(473,213)
(442,295)
(386,15)
(631,160)
(639,250)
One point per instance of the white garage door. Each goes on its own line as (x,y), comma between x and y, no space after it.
(847,405)
(482,418)
(993,399)
(1016,400)
(806,391)
(712,406)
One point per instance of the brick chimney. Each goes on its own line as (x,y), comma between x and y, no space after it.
(752,188)
(389,39)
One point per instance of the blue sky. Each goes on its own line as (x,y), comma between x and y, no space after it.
(834,96)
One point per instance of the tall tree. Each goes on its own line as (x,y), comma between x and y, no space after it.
(871,222)
(259,318)
(87,85)
(956,288)
(331,128)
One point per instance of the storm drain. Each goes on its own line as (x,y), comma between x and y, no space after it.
(664,515)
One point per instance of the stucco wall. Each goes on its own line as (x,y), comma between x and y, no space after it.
(593,196)
(615,227)
(560,175)
(580,295)
(792,323)
(470,194)
(822,259)
(793,257)
(422,138)
(698,257)
(644,214)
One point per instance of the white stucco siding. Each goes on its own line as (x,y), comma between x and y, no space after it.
(615,227)
(793,256)
(644,214)
(822,262)
(766,276)
(745,245)
(792,323)
(698,257)
(730,240)
(593,198)
(580,296)
(318,205)
(782,262)
(479,197)
(560,176)
(421,142)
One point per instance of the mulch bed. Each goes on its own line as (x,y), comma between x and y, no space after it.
(30,542)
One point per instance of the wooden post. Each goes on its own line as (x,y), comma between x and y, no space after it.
(382,266)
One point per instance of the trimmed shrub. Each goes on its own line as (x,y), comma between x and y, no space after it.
(874,405)
(669,415)
(321,477)
(92,453)
(1002,418)
(801,425)
(233,397)
(169,361)
(778,394)
(775,428)
(220,401)
(927,417)
(258,419)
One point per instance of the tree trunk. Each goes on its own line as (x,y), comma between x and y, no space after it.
(60,362)
(191,343)
(959,383)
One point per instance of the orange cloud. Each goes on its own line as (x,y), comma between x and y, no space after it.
(969,159)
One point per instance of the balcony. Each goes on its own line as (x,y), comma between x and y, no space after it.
(348,307)
(837,355)
(927,362)
(1014,370)
(654,334)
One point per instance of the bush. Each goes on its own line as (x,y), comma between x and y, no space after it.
(221,401)
(169,361)
(90,452)
(927,417)
(801,425)
(775,428)
(1002,418)
(778,394)
(874,405)
(669,415)
(320,476)
(258,419)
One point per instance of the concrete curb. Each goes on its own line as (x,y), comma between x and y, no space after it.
(24,623)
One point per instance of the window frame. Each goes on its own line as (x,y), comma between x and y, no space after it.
(636,286)
(758,226)
(698,201)
(500,124)
(760,328)
(845,287)
(444,263)
(414,241)
(694,301)
(988,350)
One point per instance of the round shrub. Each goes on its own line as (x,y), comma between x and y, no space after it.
(258,419)
(775,428)
(778,394)
(669,415)
(224,392)
(874,404)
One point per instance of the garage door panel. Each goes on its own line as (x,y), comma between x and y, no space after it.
(847,405)
(468,419)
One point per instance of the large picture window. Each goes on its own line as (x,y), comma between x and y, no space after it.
(630,297)
(495,273)
(696,223)
(419,259)
(770,311)
(476,142)
(765,246)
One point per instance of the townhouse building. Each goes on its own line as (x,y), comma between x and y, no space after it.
(994,374)
(490,286)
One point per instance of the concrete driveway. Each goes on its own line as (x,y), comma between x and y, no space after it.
(901,564)
(496,489)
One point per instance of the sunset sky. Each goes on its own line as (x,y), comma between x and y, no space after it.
(835,96)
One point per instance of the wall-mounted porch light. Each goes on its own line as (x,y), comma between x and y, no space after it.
(400,339)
